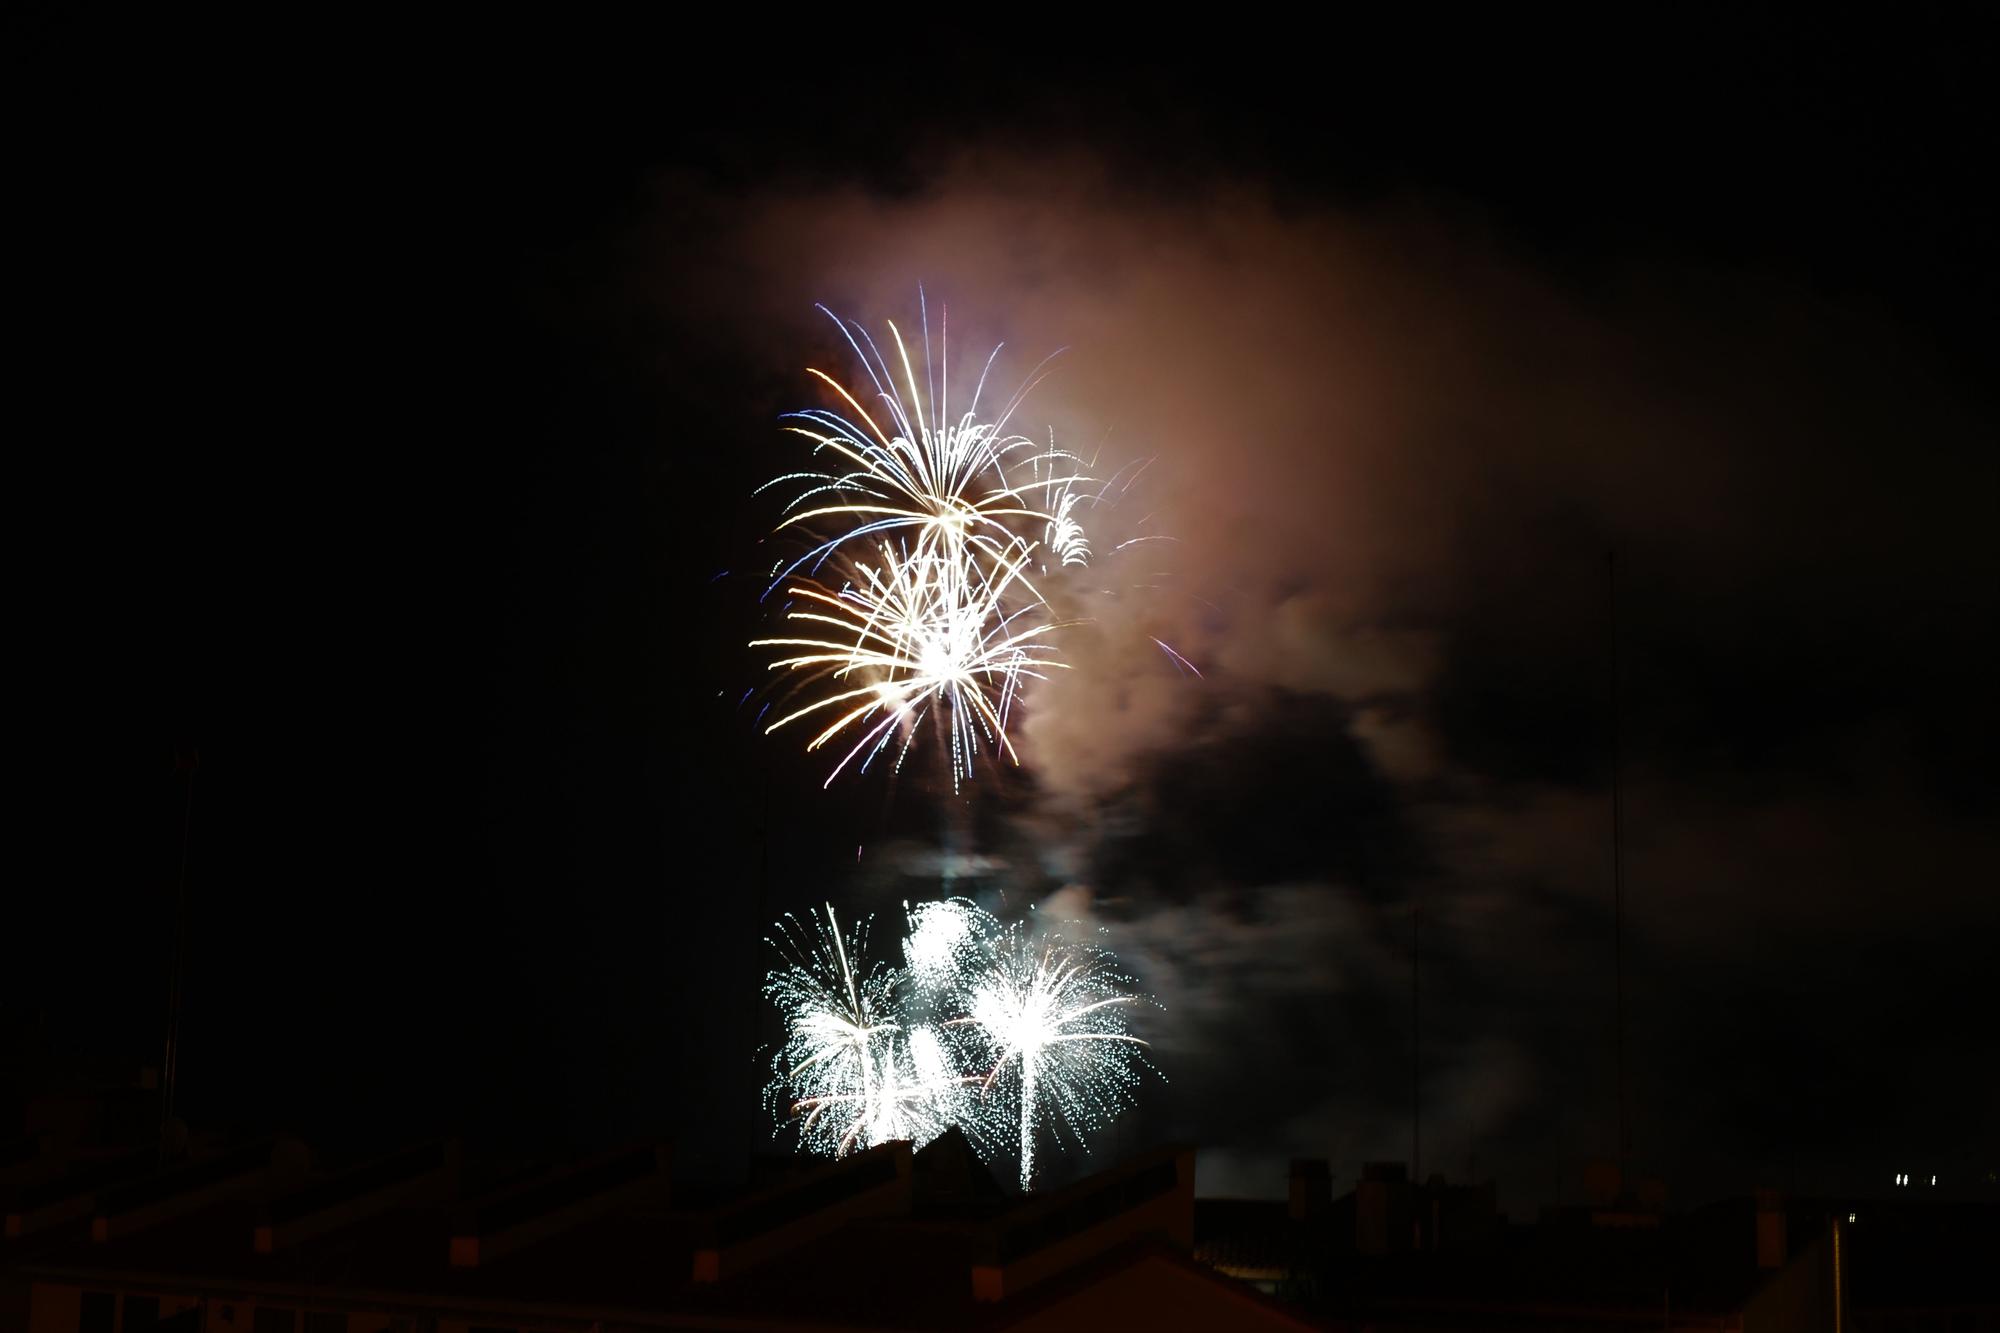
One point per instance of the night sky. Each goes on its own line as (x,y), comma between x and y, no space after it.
(397,422)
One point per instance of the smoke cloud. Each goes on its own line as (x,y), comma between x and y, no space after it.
(1392,458)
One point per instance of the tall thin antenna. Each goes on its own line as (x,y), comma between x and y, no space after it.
(186,762)
(761,921)
(1617,871)
(1416,1052)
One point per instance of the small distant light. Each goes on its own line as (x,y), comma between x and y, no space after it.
(1933,1180)
(1850,1217)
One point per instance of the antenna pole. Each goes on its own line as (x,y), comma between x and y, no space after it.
(186,761)
(1617,872)
(1416,1052)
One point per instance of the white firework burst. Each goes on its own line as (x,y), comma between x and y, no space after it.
(1011,1033)
(1055,1016)
(839,1015)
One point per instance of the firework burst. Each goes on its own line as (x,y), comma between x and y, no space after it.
(1009,1033)
(916,598)
(839,1018)
(1054,1014)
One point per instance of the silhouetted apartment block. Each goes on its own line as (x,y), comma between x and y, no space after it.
(884,1238)
(1390,1255)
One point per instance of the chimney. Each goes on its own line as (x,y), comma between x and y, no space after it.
(1771,1247)
(947,1170)
(1603,1182)
(1311,1193)
(1382,1216)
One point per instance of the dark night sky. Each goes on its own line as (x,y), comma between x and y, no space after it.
(397,412)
